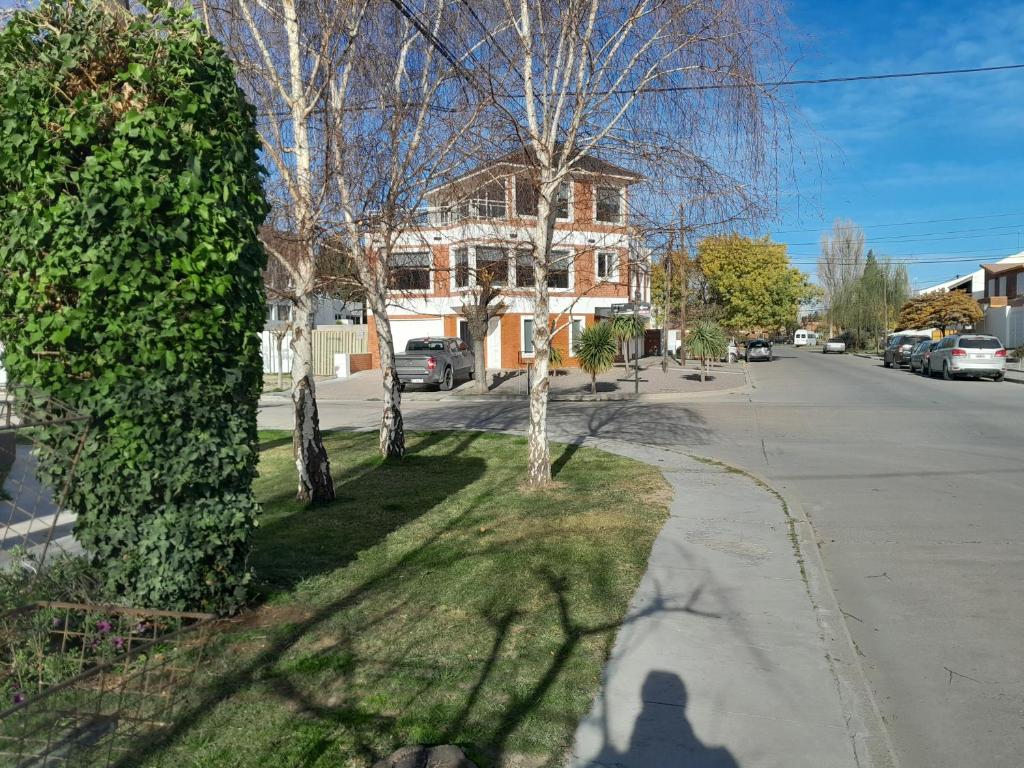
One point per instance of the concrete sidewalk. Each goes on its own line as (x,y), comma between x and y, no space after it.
(727,656)
(566,384)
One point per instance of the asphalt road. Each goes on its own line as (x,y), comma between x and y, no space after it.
(915,488)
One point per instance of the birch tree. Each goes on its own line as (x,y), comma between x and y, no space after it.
(283,54)
(358,119)
(657,85)
(399,123)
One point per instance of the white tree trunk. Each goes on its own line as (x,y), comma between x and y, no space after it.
(311,462)
(392,428)
(539,459)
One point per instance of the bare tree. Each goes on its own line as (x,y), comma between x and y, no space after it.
(382,161)
(358,115)
(283,52)
(842,257)
(668,87)
(841,262)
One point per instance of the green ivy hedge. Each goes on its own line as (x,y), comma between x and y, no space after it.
(130,287)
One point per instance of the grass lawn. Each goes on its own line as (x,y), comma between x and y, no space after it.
(435,601)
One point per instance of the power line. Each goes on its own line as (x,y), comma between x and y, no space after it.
(905,223)
(932,237)
(786,83)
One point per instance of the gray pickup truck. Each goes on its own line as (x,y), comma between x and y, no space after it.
(434,360)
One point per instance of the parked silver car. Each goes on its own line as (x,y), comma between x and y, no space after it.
(835,344)
(970,355)
(759,349)
(920,355)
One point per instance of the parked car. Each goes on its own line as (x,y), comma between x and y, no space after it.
(971,355)
(835,344)
(920,353)
(732,352)
(432,360)
(897,353)
(759,349)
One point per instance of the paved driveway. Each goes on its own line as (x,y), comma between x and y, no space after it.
(916,490)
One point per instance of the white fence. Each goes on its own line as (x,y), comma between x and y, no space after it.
(327,342)
(1006,323)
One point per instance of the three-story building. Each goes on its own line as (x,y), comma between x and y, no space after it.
(479,228)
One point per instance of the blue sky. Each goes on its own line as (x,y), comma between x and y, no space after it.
(908,150)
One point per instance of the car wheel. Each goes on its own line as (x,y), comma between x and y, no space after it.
(449,380)
(945,372)
(999,376)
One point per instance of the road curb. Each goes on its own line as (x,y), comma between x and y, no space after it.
(872,743)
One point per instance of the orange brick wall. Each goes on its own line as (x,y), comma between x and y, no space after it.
(360,363)
(511,329)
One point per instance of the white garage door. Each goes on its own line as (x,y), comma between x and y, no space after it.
(403,330)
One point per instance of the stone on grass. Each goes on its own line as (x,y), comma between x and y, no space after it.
(444,756)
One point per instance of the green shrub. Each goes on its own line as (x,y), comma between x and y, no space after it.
(130,197)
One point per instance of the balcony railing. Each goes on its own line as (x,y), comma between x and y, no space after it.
(465,211)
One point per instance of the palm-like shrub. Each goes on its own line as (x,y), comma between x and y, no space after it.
(596,350)
(706,341)
(627,328)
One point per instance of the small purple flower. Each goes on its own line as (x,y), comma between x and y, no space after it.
(118,643)
(104,626)
(19,697)
(141,627)
(56,621)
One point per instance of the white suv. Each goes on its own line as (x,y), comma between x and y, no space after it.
(969,355)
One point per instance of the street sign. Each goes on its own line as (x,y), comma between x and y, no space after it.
(640,308)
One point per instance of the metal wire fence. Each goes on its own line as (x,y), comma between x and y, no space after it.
(80,684)
(33,509)
(89,684)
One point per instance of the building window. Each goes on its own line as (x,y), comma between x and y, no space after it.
(411,272)
(561,201)
(491,266)
(527,194)
(524,269)
(527,344)
(575,331)
(609,205)
(1020,283)
(991,286)
(558,271)
(607,266)
(464,332)
(461,267)
(282,313)
(486,202)
(1001,290)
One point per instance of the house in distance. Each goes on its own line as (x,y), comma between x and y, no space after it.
(478,227)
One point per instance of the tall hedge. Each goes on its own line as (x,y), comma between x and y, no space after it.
(130,197)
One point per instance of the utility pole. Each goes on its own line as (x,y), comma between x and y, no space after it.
(667,303)
(683,257)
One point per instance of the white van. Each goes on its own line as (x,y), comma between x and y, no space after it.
(805,339)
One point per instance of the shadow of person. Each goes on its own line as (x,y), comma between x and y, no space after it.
(662,735)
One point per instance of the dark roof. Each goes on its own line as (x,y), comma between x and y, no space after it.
(586,164)
(1003,266)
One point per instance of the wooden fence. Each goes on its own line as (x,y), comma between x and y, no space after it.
(326,343)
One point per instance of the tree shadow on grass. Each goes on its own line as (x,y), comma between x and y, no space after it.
(304,542)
